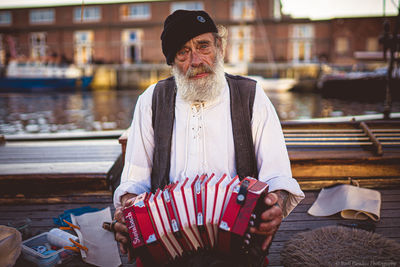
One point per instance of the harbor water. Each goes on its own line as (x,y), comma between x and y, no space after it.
(112,109)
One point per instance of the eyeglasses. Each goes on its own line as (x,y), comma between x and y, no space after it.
(202,48)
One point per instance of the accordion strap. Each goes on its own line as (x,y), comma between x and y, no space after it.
(242,93)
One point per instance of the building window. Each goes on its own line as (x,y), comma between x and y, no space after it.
(83,50)
(132,46)
(372,44)
(135,11)
(194,5)
(342,45)
(90,14)
(5,18)
(303,31)
(243,10)
(41,16)
(302,42)
(241,44)
(38,45)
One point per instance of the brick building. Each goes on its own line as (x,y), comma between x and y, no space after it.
(127,33)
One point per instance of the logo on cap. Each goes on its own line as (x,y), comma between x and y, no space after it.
(201,19)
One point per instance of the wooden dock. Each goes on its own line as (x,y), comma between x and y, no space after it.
(298,221)
(37,166)
(74,172)
(323,154)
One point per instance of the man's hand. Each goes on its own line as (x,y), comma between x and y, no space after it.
(121,231)
(271,218)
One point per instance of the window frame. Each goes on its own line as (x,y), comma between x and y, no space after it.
(38,18)
(141,7)
(340,42)
(77,18)
(7,22)
(239,5)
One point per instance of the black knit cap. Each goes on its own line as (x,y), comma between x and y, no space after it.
(180,27)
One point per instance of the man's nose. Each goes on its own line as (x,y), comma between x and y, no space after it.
(195,60)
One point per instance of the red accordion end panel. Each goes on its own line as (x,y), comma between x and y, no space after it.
(198,213)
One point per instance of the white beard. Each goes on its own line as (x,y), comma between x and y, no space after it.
(202,89)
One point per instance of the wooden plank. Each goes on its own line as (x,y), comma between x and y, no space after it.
(376,144)
(344,169)
(35,154)
(64,159)
(28,187)
(309,135)
(318,183)
(71,199)
(55,167)
(298,221)
(65,136)
(63,143)
(332,154)
(304,216)
(60,166)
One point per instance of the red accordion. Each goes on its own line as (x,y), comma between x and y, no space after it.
(201,213)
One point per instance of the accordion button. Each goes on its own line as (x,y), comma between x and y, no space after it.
(248,236)
(253,216)
(251,223)
(247,242)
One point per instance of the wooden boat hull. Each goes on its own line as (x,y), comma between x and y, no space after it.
(363,88)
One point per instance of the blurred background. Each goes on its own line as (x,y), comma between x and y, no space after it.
(74,65)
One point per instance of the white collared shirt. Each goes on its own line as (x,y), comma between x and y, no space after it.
(202,142)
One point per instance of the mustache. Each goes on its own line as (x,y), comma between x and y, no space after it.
(193,71)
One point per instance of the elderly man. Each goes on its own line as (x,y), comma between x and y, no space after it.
(202,120)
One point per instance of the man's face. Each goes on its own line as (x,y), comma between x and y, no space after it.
(198,55)
(199,69)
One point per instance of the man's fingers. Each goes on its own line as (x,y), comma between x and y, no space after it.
(121,228)
(129,202)
(271,214)
(265,232)
(119,215)
(121,238)
(122,248)
(269,227)
(271,199)
(267,242)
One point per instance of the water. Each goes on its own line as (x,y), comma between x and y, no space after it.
(113,109)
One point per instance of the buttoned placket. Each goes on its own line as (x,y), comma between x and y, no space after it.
(196,138)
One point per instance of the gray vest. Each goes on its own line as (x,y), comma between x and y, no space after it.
(242,93)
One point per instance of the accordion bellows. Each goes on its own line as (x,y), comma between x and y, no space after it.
(206,212)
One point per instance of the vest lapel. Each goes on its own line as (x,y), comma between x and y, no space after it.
(163,108)
(242,93)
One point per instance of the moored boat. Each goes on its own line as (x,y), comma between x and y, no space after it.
(357,84)
(36,76)
(274,84)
